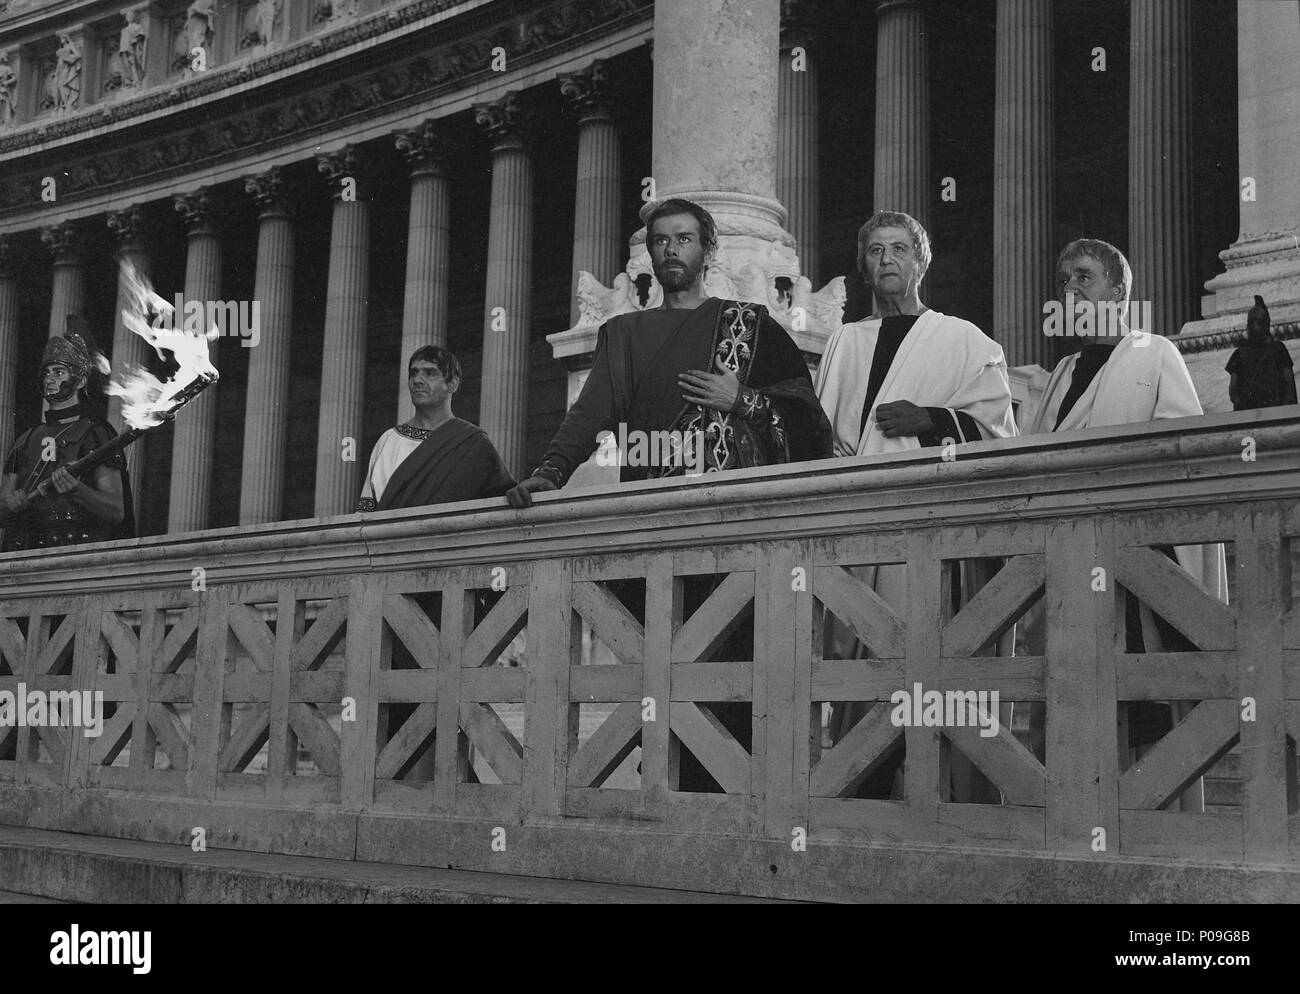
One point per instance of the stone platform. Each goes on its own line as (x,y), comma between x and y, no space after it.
(37,866)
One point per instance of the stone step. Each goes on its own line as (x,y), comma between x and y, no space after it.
(37,864)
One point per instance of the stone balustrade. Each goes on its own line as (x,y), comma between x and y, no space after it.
(346,730)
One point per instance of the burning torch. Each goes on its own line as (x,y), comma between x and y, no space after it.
(116,444)
(147,402)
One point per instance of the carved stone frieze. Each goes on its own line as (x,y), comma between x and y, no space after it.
(454,65)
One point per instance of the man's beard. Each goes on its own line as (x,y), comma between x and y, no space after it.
(679,276)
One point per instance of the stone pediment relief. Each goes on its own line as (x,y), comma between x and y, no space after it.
(438,68)
(528,28)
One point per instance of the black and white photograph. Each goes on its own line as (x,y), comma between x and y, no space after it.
(672,452)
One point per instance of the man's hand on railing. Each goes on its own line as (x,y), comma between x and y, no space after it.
(522,494)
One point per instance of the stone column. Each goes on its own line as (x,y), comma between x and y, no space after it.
(597,247)
(428,248)
(68,294)
(902,180)
(1265,258)
(1023,257)
(194,433)
(722,48)
(725,49)
(507,319)
(266,418)
(796,167)
(130,351)
(339,459)
(1160,247)
(9,329)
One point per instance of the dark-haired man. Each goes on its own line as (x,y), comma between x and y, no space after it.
(94,509)
(436,457)
(719,371)
(721,376)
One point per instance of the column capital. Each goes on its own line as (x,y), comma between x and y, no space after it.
(270,192)
(426,148)
(128,226)
(343,168)
(63,240)
(798,24)
(589,90)
(507,121)
(196,208)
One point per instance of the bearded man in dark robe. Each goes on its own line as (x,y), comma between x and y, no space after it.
(94,508)
(722,368)
(722,375)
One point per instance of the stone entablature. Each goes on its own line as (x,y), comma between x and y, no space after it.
(413,68)
(145,48)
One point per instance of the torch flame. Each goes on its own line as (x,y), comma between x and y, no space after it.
(145,398)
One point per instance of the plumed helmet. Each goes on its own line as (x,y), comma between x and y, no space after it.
(75,348)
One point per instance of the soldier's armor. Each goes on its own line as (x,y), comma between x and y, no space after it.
(58,520)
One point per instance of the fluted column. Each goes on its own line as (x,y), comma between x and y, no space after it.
(797,135)
(9,327)
(428,248)
(68,293)
(902,178)
(1023,257)
(343,372)
(266,417)
(192,441)
(503,405)
(1160,247)
(130,351)
(597,248)
(722,48)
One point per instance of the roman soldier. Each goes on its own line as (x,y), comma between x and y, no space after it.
(97,507)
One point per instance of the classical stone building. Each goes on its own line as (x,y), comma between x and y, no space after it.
(379,174)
